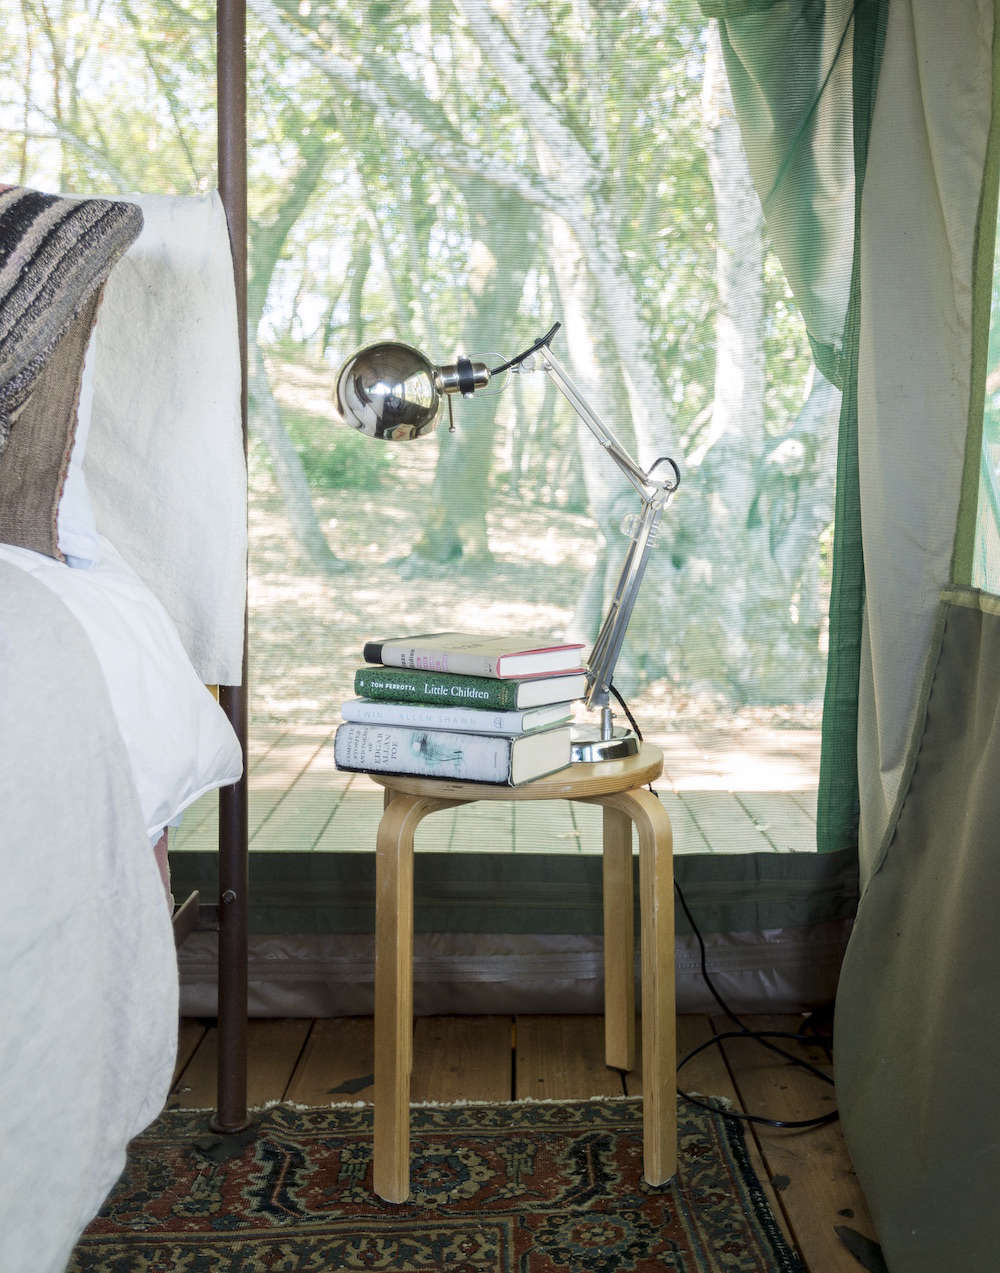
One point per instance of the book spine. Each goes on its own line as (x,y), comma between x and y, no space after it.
(472,720)
(428,753)
(372,652)
(408,686)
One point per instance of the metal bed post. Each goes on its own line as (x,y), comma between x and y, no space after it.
(231,1112)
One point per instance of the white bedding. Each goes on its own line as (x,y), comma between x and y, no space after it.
(88,974)
(178,740)
(164,460)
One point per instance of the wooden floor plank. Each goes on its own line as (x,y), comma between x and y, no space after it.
(544,826)
(354,823)
(195,1086)
(298,821)
(781,819)
(336,1063)
(810,1168)
(687,834)
(707,1075)
(588,819)
(273,1047)
(561,1058)
(723,822)
(806,800)
(277,773)
(483,827)
(189,1035)
(462,1059)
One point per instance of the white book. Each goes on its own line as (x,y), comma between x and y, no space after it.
(477,654)
(440,753)
(470,720)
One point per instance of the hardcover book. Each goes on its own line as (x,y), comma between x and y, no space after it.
(409,686)
(471,655)
(467,720)
(442,753)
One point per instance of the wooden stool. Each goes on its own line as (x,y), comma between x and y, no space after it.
(619,786)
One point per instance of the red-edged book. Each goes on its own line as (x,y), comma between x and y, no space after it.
(471,654)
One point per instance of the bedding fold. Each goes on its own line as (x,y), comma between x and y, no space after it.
(165,464)
(88,976)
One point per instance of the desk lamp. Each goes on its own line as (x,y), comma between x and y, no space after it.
(393,392)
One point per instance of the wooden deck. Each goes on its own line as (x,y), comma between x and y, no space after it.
(725,792)
(807,1175)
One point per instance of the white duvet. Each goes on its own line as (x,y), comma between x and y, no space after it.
(178,740)
(105,733)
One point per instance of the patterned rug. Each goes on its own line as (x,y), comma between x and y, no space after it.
(528,1187)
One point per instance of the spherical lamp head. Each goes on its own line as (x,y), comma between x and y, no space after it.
(389,391)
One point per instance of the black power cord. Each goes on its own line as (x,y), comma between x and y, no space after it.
(743,1031)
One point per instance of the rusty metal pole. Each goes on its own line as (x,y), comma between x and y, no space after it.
(231,1112)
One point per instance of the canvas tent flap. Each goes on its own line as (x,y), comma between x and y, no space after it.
(789,68)
(926,159)
(916,1027)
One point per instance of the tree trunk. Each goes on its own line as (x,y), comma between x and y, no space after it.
(266,245)
(265,421)
(455,525)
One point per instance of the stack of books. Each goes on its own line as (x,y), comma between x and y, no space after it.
(464,707)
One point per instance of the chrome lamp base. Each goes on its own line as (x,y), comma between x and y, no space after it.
(588,746)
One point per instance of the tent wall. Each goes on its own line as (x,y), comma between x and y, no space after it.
(502,932)
(917,1045)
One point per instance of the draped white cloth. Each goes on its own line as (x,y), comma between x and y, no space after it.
(164,461)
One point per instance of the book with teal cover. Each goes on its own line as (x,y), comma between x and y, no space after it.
(410,685)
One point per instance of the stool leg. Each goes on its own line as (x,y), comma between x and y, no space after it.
(619,942)
(659,1027)
(659,1022)
(394,996)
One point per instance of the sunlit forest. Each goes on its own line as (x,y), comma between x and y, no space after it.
(460,174)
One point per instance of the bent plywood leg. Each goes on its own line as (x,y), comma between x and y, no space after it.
(659,1032)
(619,942)
(394,992)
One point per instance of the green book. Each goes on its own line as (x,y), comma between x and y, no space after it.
(410,685)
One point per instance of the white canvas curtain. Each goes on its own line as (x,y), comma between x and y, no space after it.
(917,1041)
(926,160)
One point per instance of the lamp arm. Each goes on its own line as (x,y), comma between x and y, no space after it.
(608,644)
(655,495)
(595,424)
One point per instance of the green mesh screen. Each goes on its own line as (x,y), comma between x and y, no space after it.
(460,176)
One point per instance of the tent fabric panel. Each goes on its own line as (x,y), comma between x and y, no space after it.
(789,70)
(332,974)
(555,893)
(918,215)
(977,550)
(837,805)
(916,1039)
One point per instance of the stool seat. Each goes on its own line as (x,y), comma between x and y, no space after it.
(620,786)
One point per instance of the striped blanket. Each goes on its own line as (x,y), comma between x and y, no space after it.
(55,253)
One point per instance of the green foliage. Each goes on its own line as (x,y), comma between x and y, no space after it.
(335,457)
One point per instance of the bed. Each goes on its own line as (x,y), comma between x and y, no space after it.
(110,631)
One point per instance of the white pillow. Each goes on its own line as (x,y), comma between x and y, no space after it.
(179,741)
(75,521)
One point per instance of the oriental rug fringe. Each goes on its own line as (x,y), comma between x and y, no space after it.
(525,1187)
